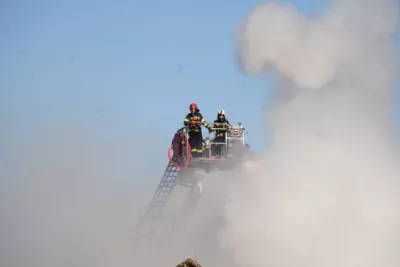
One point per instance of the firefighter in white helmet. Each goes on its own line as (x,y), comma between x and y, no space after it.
(221,125)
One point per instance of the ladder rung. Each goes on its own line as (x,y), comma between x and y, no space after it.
(160,198)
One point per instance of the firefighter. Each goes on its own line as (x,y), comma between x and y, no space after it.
(194,120)
(188,263)
(220,122)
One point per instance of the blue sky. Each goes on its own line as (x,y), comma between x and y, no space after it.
(120,68)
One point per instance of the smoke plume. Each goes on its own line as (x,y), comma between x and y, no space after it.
(68,198)
(326,192)
(71,199)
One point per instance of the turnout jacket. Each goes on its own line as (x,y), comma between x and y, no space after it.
(194,121)
(220,133)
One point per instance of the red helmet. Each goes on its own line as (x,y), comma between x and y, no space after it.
(193,106)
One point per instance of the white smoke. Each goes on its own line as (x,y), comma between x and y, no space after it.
(327,191)
(71,199)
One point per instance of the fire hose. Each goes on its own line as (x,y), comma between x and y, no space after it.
(175,164)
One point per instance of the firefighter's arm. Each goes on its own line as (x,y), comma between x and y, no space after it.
(186,121)
(203,121)
(228,125)
(210,130)
(214,125)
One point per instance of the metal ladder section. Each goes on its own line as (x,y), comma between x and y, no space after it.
(146,223)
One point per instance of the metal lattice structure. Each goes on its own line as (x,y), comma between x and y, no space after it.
(155,209)
(172,176)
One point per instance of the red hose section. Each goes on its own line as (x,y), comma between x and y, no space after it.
(175,164)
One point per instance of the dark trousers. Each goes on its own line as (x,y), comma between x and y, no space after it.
(196,143)
(217,149)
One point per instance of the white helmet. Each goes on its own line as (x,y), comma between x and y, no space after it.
(221,112)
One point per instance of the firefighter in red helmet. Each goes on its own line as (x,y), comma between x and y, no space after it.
(194,120)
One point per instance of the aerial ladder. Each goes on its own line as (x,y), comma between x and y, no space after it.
(181,170)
